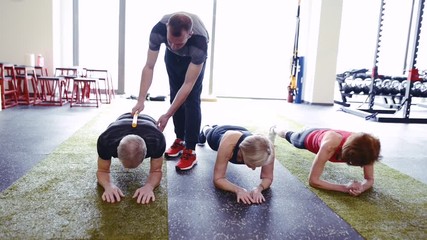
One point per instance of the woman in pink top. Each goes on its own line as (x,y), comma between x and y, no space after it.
(355,149)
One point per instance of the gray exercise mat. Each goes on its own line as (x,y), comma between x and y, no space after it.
(30,133)
(197,210)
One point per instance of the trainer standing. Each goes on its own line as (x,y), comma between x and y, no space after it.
(186,40)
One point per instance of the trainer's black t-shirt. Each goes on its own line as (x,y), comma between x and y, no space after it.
(109,140)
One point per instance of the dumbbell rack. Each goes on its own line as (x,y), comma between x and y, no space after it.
(356,83)
(402,112)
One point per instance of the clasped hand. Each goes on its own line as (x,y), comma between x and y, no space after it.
(354,188)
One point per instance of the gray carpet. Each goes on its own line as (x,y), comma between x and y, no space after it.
(30,133)
(199,211)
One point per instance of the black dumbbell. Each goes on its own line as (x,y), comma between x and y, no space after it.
(416,89)
(394,89)
(377,86)
(367,85)
(386,87)
(357,85)
(424,90)
(347,85)
(402,87)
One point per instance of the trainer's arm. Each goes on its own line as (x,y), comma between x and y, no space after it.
(191,76)
(111,192)
(145,194)
(146,79)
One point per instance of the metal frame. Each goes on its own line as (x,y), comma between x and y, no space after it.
(383,115)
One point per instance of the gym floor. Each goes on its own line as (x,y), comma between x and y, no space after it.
(30,133)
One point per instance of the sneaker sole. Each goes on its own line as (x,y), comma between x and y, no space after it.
(173,155)
(187,168)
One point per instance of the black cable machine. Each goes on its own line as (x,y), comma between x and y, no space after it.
(396,112)
(292,87)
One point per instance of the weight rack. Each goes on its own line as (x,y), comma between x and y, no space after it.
(357,83)
(398,112)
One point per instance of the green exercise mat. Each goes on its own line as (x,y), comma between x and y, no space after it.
(60,198)
(395,208)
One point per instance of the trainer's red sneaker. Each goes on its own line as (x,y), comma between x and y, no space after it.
(187,161)
(177,147)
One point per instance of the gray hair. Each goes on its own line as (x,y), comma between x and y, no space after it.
(257,150)
(131,151)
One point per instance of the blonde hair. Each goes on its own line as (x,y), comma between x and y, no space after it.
(257,150)
(131,151)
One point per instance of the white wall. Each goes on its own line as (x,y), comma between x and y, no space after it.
(36,27)
(254,46)
(63,33)
(321,45)
(98,35)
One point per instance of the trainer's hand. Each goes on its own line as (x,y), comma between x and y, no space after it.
(139,106)
(244,196)
(144,194)
(257,196)
(162,122)
(112,194)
